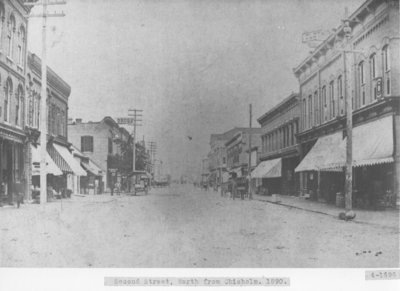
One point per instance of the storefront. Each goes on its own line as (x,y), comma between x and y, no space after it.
(373,168)
(12,175)
(270,172)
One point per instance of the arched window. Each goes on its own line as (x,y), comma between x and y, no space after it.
(332,99)
(2,13)
(324,103)
(361,80)
(386,69)
(7,98)
(20,107)
(11,35)
(21,45)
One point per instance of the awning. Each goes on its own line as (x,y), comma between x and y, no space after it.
(70,160)
(92,168)
(325,151)
(51,167)
(372,144)
(268,169)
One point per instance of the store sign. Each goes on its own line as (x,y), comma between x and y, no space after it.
(125,120)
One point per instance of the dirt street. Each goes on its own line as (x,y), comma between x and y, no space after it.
(185,227)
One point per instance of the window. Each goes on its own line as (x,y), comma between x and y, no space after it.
(7,97)
(21,46)
(340,95)
(372,66)
(19,107)
(1,22)
(304,114)
(361,79)
(332,99)
(87,143)
(11,35)
(386,67)
(316,111)
(324,102)
(110,145)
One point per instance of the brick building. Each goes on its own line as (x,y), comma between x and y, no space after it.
(369,75)
(279,149)
(14,167)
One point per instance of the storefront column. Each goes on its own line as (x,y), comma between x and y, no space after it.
(396,178)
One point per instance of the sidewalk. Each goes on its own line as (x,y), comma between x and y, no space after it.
(384,218)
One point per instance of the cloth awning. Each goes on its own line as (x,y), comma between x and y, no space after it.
(70,160)
(372,145)
(268,169)
(92,168)
(51,167)
(323,153)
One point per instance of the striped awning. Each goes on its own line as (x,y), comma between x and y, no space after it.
(69,159)
(51,167)
(58,159)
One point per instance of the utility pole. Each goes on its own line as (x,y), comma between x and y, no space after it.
(43,99)
(250,192)
(137,115)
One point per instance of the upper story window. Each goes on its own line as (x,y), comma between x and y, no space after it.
(11,35)
(87,143)
(316,109)
(304,113)
(7,96)
(361,73)
(110,145)
(20,107)
(372,66)
(310,112)
(2,13)
(361,79)
(21,45)
(332,99)
(386,68)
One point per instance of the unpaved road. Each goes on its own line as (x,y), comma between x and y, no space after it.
(186,227)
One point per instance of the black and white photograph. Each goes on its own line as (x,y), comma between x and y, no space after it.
(199,135)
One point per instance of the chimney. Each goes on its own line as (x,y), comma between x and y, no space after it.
(70,120)
(78,120)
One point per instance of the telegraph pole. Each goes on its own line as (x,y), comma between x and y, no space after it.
(43,99)
(137,117)
(250,192)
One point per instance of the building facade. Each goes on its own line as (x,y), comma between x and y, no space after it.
(104,142)
(64,170)
(237,155)
(369,75)
(279,149)
(15,171)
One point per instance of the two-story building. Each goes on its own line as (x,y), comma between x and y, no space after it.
(368,73)
(13,49)
(105,142)
(279,149)
(62,168)
(237,158)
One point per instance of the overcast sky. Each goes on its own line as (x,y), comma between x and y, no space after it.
(193,66)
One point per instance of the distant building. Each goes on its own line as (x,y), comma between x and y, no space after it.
(236,147)
(370,77)
(279,150)
(102,142)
